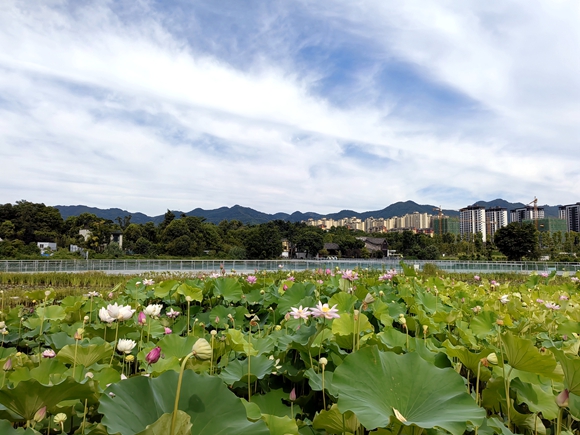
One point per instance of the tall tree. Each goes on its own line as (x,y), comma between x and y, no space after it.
(516,241)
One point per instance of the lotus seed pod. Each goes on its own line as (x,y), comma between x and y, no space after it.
(130,358)
(202,349)
(60,418)
(323,361)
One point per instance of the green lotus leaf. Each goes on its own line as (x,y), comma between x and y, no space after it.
(239,342)
(59,340)
(252,409)
(195,293)
(344,302)
(333,422)
(163,289)
(484,324)
(315,381)
(237,370)
(280,425)
(173,345)
(468,359)
(375,384)
(229,288)
(85,355)
(537,399)
(394,339)
(163,425)
(523,355)
(52,312)
(295,296)
(531,422)
(571,368)
(343,327)
(140,401)
(493,396)
(29,396)
(271,403)
(7,429)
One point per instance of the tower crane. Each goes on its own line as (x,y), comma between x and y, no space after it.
(535,202)
(440,218)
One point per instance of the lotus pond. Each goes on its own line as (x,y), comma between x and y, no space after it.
(319,352)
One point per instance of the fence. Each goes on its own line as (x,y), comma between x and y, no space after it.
(246,266)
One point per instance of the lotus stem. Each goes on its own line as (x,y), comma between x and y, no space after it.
(559,421)
(477,384)
(114,344)
(506,383)
(323,393)
(84,417)
(178,393)
(75,359)
(249,359)
(188,307)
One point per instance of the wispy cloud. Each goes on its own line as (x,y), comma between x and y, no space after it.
(284,107)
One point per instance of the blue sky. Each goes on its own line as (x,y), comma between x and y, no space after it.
(288,105)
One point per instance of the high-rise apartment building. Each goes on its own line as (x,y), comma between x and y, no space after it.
(571,213)
(495,218)
(526,213)
(472,221)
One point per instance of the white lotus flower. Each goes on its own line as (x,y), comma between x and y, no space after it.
(120,312)
(125,345)
(104,316)
(153,310)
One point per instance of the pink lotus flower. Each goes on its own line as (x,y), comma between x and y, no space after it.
(564,298)
(291,278)
(172,314)
(562,399)
(142,318)
(552,306)
(544,274)
(325,311)
(300,313)
(251,279)
(540,301)
(476,277)
(385,277)
(148,282)
(349,275)
(168,330)
(153,356)
(48,353)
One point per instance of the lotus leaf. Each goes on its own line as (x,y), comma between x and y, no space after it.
(295,296)
(7,429)
(536,398)
(163,425)
(381,386)
(173,345)
(344,302)
(195,293)
(333,422)
(29,396)
(484,324)
(229,288)
(280,425)
(140,401)
(271,403)
(85,355)
(315,381)
(571,367)
(523,355)
(237,370)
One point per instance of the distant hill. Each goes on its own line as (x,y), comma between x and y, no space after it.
(250,216)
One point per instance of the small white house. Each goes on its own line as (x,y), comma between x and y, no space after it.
(46,246)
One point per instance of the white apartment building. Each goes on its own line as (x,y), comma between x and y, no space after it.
(371,225)
(571,213)
(472,221)
(526,213)
(495,218)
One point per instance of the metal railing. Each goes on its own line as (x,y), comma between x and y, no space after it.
(247,266)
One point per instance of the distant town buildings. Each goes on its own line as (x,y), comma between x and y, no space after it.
(472,219)
(571,214)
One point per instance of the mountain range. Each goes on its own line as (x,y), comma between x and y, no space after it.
(251,216)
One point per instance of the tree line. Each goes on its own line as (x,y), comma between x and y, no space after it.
(24,224)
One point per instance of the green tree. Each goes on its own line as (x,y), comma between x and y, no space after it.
(309,240)
(262,242)
(516,241)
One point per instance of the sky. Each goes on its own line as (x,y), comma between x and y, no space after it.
(289,105)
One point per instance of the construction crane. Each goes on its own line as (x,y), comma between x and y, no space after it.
(440,218)
(535,217)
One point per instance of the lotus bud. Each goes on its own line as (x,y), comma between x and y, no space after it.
(492,359)
(40,414)
(323,361)
(292,396)
(277,327)
(89,375)
(425,329)
(7,365)
(202,349)
(168,330)
(79,334)
(85,319)
(60,418)
(153,356)
(356,314)
(47,293)
(217,320)
(499,322)
(562,399)
(142,318)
